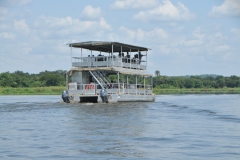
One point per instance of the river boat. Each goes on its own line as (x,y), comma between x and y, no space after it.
(108,72)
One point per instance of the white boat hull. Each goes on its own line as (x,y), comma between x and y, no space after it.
(113,98)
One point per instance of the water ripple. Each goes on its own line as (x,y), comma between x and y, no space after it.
(173,127)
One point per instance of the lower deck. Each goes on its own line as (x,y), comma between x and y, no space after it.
(94,89)
(87,84)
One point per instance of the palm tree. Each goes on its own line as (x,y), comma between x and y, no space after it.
(157,73)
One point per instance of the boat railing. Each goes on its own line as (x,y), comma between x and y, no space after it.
(114,88)
(107,61)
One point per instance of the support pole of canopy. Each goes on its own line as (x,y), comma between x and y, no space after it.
(146,60)
(138,60)
(151,82)
(118,82)
(81,55)
(136,84)
(66,81)
(91,58)
(97,57)
(127,85)
(71,55)
(130,60)
(121,56)
(144,84)
(112,56)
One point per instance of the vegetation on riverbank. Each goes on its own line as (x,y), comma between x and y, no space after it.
(197,91)
(19,79)
(58,90)
(54,90)
(53,82)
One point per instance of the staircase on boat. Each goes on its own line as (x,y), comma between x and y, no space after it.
(101,78)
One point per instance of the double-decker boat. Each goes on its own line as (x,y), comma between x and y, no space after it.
(117,73)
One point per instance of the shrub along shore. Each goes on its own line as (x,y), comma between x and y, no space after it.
(58,91)
(197,91)
(32,91)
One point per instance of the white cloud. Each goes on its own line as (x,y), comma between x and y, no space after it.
(3,13)
(216,39)
(103,23)
(196,40)
(236,31)
(55,27)
(7,35)
(166,11)
(133,4)
(21,26)
(155,35)
(129,32)
(221,48)
(197,33)
(159,32)
(53,22)
(163,49)
(192,43)
(18,2)
(228,8)
(217,44)
(90,13)
(5,26)
(24,47)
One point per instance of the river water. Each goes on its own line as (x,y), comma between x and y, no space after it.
(173,127)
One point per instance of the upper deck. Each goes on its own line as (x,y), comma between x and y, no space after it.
(110,54)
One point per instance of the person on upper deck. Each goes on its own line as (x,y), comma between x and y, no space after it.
(140,57)
(100,59)
(136,60)
(128,57)
(119,55)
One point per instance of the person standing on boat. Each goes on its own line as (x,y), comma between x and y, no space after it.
(136,59)
(128,57)
(111,85)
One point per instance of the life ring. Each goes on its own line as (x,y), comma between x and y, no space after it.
(90,86)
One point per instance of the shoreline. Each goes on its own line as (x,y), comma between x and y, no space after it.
(198,91)
(32,91)
(58,90)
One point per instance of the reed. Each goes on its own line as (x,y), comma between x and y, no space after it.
(32,91)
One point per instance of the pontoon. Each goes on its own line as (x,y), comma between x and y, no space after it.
(108,72)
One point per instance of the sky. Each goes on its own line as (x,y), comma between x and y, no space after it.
(186,37)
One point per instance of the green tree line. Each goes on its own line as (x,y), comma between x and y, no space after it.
(196,82)
(21,79)
(57,78)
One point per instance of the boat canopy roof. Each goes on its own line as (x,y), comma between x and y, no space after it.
(103,46)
